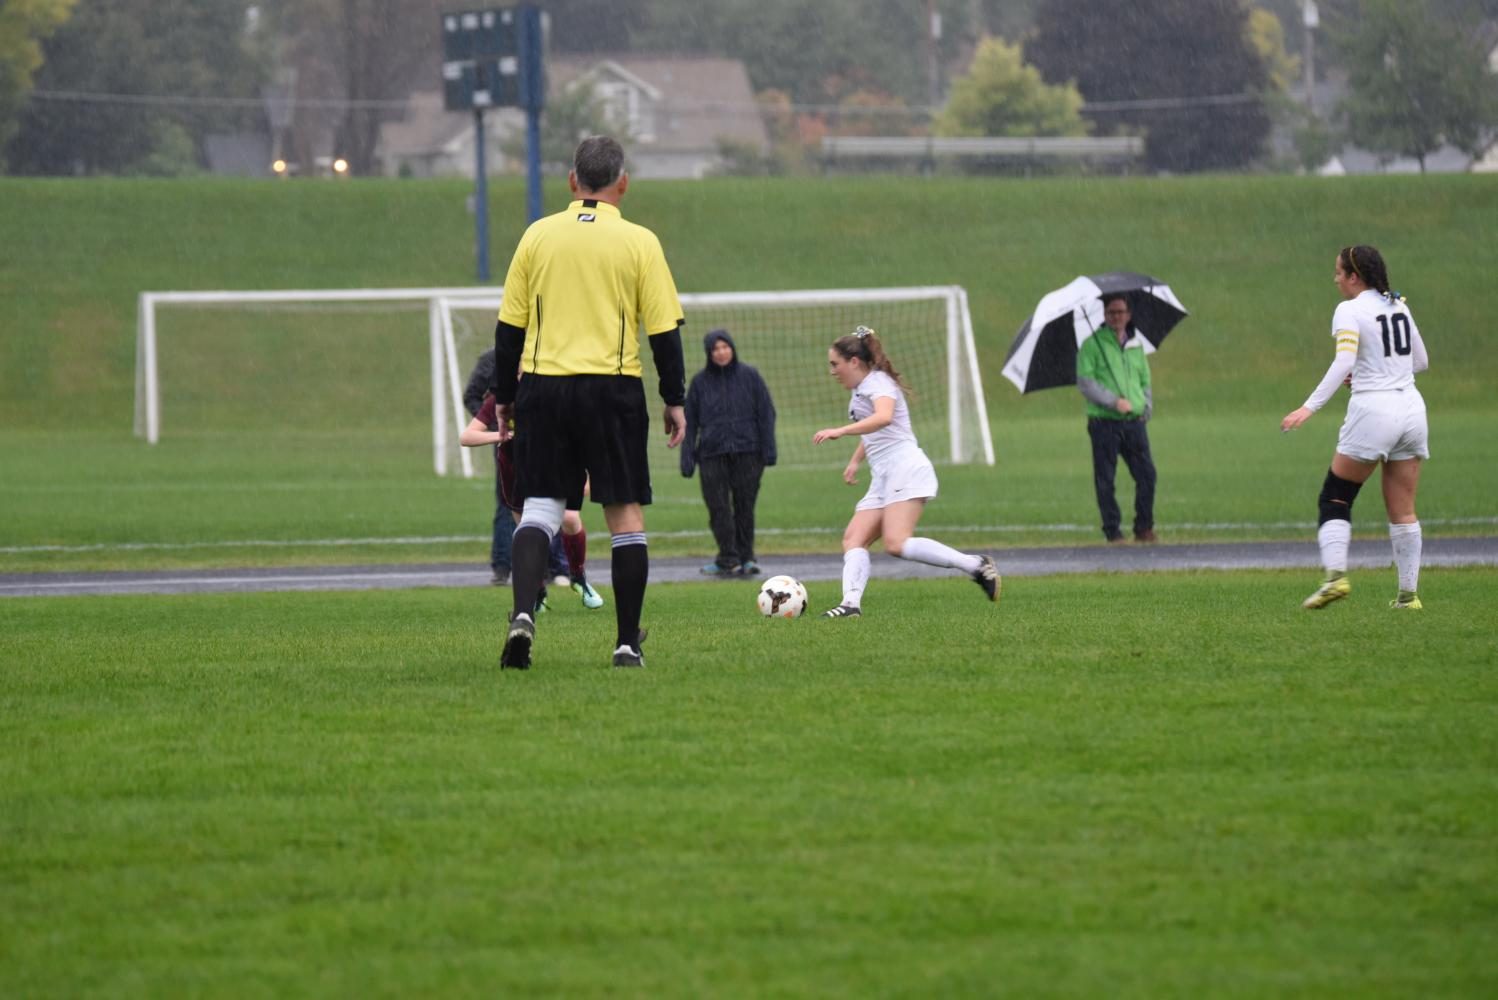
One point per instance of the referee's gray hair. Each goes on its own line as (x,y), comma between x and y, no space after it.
(598,162)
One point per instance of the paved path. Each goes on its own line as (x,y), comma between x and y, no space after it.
(824,566)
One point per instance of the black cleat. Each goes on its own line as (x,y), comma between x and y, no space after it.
(631,656)
(843,611)
(517,651)
(987,577)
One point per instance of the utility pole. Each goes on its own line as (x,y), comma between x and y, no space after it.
(1311,18)
(933,59)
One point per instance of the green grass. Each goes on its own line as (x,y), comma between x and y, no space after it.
(1172,784)
(208,499)
(324,435)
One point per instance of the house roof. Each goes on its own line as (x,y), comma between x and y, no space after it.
(698,99)
(694,102)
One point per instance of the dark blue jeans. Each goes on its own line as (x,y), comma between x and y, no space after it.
(504,530)
(1112,439)
(730,487)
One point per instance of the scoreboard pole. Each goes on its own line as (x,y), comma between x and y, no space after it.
(533,98)
(495,58)
(481,198)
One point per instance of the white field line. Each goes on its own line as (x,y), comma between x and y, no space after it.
(934,529)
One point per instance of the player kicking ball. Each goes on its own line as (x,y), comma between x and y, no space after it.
(903,478)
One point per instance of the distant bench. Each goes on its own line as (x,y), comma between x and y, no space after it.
(1117,150)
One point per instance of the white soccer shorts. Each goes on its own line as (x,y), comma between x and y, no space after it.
(1387,424)
(907,476)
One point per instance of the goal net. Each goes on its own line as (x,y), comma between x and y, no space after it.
(318,360)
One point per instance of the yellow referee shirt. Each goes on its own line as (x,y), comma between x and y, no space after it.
(581,285)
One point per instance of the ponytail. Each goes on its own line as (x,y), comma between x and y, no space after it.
(863,344)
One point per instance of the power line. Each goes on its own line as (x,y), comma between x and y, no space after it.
(719,107)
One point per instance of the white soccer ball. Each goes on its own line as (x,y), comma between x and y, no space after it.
(782,597)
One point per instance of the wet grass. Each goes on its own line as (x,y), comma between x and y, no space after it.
(229,499)
(321,433)
(1171,784)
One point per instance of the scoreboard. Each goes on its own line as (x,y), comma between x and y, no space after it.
(492,59)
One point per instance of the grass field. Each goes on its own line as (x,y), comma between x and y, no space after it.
(278,455)
(1162,785)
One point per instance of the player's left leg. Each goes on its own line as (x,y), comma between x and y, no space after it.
(1400,480)
(900,520)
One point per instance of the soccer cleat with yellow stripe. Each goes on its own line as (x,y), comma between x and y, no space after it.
(1406,601)
(1332,590)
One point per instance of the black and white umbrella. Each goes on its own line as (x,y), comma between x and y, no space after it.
(1044,353)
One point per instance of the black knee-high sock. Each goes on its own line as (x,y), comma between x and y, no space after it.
(631,571)
(529,551)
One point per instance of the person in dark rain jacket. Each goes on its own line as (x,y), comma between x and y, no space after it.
(731,437)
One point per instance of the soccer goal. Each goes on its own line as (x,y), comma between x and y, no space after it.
(315,358)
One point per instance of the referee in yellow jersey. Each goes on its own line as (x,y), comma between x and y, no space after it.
(581,286)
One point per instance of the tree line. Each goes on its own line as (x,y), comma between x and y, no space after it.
(136,86)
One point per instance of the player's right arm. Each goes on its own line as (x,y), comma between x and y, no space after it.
(850,474)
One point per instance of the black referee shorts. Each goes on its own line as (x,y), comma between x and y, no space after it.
(572,427)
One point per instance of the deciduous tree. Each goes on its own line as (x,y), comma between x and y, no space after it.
(23,26)
(1001,96)
(1414,81)
(1159,59)
(161,54)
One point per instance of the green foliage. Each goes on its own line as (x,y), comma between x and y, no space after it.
(137,47)
(1171,51)
(1414,80)
(1267,36)
(23,26)
(817,52)
(569,117)
(1158,785)
(1001,96)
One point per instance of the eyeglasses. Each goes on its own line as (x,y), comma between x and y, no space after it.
(1116,312)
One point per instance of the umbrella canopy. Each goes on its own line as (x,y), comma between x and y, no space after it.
(1044,352)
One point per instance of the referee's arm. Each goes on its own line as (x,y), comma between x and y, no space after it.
(665,348)
(509,343)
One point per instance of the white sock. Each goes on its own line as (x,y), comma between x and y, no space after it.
(1333,537)
(1406,541)
(934,553)
(855,576)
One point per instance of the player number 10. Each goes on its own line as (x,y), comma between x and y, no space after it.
(1401,324)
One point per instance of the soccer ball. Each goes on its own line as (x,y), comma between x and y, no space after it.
(782,597)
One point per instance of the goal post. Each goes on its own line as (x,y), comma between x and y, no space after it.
(316,305)
(290,347)
(785,334)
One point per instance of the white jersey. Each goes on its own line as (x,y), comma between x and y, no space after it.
(1385,338)
(894,438)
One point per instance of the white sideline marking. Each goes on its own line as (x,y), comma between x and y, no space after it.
(934,529)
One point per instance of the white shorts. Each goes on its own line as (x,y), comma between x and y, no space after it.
(1386,424)
(908,476)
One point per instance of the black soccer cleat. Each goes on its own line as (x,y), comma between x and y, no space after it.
(987,577)
(843,611)
(522,635)
(631,656)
